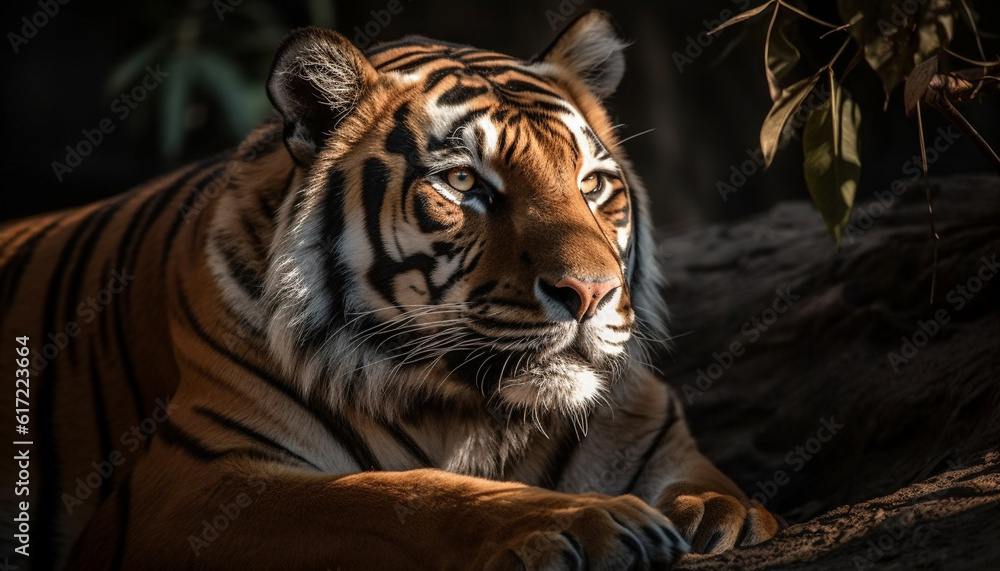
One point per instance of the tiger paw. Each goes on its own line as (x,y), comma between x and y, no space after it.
(599,532)
(712,522)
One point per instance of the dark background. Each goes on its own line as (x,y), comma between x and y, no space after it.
(704,119)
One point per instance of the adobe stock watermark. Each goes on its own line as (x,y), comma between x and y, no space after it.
(865,216)
(220,179)
(893,534)
(228,512)
(121,108)
(889,542)
(796,460)
(958,297)
(741,173)
(696,45)
(563,13)
(365,35)
(86,312)
(902,17)
(223,7)
(753,329)
(103,470)
(32,24)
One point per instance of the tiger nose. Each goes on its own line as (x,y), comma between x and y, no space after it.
(581,297)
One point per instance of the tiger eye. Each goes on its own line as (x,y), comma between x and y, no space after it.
(461,179)
(590,184)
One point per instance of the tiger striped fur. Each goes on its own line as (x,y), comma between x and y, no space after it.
(400,327)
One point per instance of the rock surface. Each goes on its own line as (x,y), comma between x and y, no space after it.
(830,387)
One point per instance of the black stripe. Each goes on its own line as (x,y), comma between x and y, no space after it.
(422,209)
(422,61)
(402,141)
(510,303)
(388,64)
(334,425)
(492,71)
(250,433)
(418,41)
(355,445)
(101,414)
(508,157)
(124,510)
(461,94)
(252,232)
(188,363)
(482,58)
(240,361)
(564,452)
(10,239)
(125,358)
(170,434)
(436,144)
(81,262)
(264,205)
(245,328)
(483,290)
(520,325)
(46,403)
(437,76)
(15,268)
(409,444)
(135,235)
(519,86)
(335,280)
(375,183)
(114,314)
(246,278)
(668,423)
(598,146)
(187,206)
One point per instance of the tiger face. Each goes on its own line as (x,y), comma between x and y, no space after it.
(466,225)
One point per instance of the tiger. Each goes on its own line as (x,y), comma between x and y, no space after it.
(405,324)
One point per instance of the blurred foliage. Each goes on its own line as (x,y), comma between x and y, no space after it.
(217,55)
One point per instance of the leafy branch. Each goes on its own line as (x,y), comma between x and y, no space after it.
(900,45)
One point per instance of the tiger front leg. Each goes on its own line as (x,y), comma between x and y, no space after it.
(653,452)
(241,513)
(711,512)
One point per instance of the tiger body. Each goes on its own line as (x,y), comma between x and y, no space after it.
(390,329)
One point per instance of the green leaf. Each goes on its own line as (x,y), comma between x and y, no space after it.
(894,37)
(787,103)
(832,162)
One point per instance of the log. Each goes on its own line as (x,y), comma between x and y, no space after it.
(832,389)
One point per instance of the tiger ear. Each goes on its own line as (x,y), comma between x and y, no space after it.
(590,49)
(316,80)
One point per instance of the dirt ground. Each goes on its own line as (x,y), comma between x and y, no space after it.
(830,388)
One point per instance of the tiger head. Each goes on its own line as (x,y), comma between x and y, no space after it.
(466,226)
